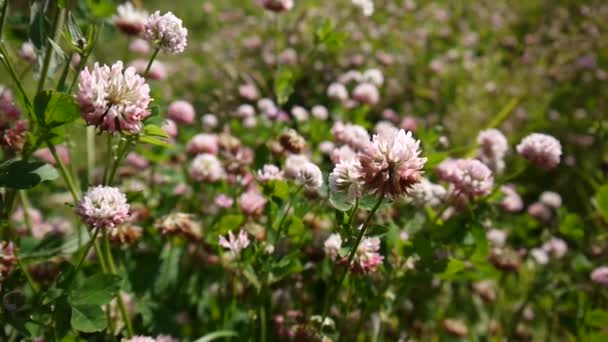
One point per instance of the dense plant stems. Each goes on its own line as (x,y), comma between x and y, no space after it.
(351,256)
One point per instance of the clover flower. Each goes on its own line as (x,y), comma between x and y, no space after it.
(103,207)
(512,202)
(7,258)
(427,193)
(206,168)
(366,93)
(180,224)
(346,179)
(203,143)
(493,147)
(332,246)
(235,244)
(268,173)
(129,19)
(542,150)
(310,176)
(181,111)
(367,259)
(113,99)
(600,275)
(277,5)
(166,32)
(352,135)
(252,203)
(390,164)
(469,176)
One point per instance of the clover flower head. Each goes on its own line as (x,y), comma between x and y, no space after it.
(103,207)
(113,99)
(166,32)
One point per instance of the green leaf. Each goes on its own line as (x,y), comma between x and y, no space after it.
(155,131)
(62,316)
(229,222)
(55,109)
(101,8)
(88,318)
(38,25)
(19,174)
(453,268)
(283,85)
(74,32)
(481,243)
(327,35)
(277,189)
(217,334)
(146,139)
(601,201)
(572,227)
(96,290)
(340,201)
(597,318)
(250,275)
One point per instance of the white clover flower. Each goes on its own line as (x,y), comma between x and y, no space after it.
(319,112)
(337,91)
(166,32)
(367,259)
(269,173)
(310,176)
(551,199)
(245,111)
(542,150)
(493,147)
(367,6)
(354,136)
(374,76)
(366,93)
(206,168)
(103,207)
(235,244)
(129,19)
(427,193)
(293,164)
(469,176)
(332,246)
(346,179)
(113,99)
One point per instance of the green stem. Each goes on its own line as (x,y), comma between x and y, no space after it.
(48,54)
(26,273)
(286,212)
(4,11)
(351,256)
(64,173)
(90,154)
(150,62)
(110,155)
(112,268)
(122,151)
(64,73)
(83,256)
(9,67)
(25,205)
(262,323)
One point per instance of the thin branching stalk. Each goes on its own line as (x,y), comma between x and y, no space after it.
(150,62)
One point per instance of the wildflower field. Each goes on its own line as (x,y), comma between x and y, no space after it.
(303,170)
